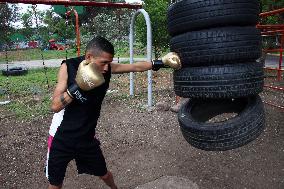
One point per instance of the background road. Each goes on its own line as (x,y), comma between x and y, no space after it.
(270,61)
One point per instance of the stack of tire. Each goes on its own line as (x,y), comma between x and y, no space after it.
(218,44)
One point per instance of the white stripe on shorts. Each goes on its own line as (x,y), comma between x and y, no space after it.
(56,122)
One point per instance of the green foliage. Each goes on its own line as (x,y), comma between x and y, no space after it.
(271,42)
(27,22)
(269,5)
(8,16)
(157,10)
(61,9)
(56,27)
(108,22)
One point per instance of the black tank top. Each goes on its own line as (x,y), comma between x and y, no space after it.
(80,120)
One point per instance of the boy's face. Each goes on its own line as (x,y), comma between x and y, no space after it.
(102,61)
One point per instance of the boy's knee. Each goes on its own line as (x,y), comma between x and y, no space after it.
(54,186)
(106,176)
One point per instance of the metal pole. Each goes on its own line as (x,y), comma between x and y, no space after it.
(279,67)
(274,105)
(78,40)
(149,52)
(267,26)
(77,33)
(273,87)
(265,14)
(131,43)
(272,32)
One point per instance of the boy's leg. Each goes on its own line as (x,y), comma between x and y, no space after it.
(90,160)
(58,156)
(108,179)
(54,187)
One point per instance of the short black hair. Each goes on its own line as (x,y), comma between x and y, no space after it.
(99,44)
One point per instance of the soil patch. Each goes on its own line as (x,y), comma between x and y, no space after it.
(141,146)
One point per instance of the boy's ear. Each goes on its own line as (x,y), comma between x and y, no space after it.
(88,56)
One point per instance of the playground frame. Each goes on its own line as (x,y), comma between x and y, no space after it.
(273,30)
(76,3)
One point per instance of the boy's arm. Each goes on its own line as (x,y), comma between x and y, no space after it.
(135,67)
(171,60)
(60,98)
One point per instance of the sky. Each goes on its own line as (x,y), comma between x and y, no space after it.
(39,7)
(42,7)
(24,8)
(133,1)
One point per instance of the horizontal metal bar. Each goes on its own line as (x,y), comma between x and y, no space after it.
(274,87)
(269,68)
(273,50)
(274,26)
(265,14)
(274,105)
(76,3)
(272,32)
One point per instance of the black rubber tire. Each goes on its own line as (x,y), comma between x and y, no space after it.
(223,81)
(16,71)
(217,46)
(219,136)
(190,15)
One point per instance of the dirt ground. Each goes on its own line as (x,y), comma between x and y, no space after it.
(141,146)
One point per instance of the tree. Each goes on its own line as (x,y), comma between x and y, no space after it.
(269,42)
(56,25)
(269,5)
(8,15)
(157,10)
(27,22)
(111,23)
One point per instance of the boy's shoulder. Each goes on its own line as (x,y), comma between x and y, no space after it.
(74,60)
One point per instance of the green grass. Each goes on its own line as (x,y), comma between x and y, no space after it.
(29,94)
(31,97)
(35,54)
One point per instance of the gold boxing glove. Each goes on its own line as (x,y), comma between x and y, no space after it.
(171,60)
(88,77)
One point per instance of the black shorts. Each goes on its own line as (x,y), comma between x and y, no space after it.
(87,154)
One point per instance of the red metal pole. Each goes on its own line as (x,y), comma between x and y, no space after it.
(272,32)
(279,67)
(275,26)
(269,68)
(77,33)
(78,40)
(76,3)
(276,88)
(273,50)
(274,105)
(265,14)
